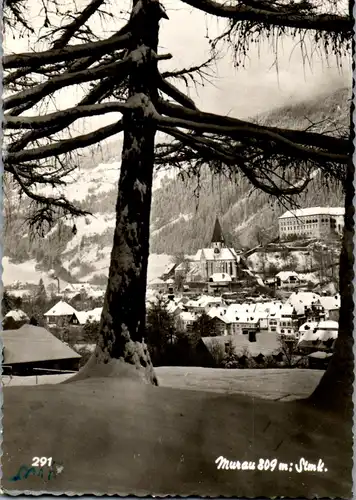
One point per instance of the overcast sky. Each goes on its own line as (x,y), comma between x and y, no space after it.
(242,92)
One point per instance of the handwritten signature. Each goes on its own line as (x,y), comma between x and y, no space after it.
(25,471)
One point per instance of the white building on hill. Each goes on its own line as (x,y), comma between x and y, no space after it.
(312,222)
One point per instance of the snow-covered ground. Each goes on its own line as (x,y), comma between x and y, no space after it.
(115,435)
(26,272)
(301,260)
(102,179)
(276,384)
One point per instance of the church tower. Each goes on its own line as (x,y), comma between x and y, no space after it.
(217,240)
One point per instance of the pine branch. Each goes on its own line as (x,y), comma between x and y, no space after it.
(283,16)
(70,53)
(64,146)
(174,93)
(209,151)
(119,68)
(61,118)
(71,28)
(69,31)
(60,202)
(91,98)
(332,144)
(245,133)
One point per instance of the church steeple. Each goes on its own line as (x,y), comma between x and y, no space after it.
(217,240)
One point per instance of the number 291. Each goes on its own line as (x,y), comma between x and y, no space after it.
(41,461)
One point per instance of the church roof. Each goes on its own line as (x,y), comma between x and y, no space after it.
(217,233)
(224,254)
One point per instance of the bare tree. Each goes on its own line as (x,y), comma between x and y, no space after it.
(122,74)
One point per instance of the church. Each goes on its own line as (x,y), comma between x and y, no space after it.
(216,259)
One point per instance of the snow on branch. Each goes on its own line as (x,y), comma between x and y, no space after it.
(119,68)
(59,117)
(64,146)
(68,53)
(332,144)
(245,133)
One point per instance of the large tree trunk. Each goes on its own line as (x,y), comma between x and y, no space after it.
(335,389)
(121,348)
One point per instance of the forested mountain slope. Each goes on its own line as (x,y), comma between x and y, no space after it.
(182,218)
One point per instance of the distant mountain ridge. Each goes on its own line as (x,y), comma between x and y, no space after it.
(180,222)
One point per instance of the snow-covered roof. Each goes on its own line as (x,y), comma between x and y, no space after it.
(172,307)
(61,309)
(244,318)
(330,302)
(285,275)
(187,316)
(301,299)
(328,325)
(307,326)
(194,269)
(192,303)
(208,299)
(82,317)
(17,315)
(217,312)
(95,314)
(310,211)
(224,254)
(319,325)
(221,278)
(33,343)
(322,331)
(287,309)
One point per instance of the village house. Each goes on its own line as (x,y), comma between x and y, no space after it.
(187,320)
(203,304)
(287,279)
(82,317)
(218,281)
(312,222)
(331,306)
(242,319)
(78,318)
(60,314)
(288,322)
(219,323)
(14,319)
(307,306)
(318,335)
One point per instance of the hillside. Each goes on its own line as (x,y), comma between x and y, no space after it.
(182,218)
(179,218)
